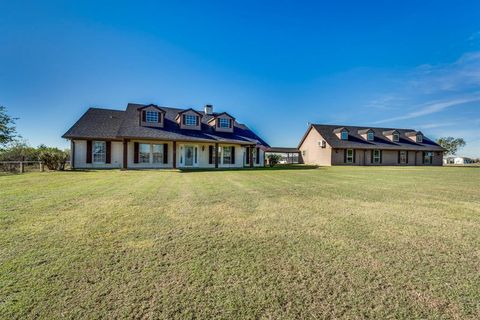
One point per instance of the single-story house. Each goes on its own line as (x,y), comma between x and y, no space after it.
(328,145)
(150,136)
(458,160)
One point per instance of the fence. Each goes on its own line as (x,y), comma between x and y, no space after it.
(24,166)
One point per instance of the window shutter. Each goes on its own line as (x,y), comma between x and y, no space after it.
(233,155)
(354,156)
(381,156)
(399,156)
(218,122)
(108,154)
(135,152)
(247,160)
(197,120)
(407,156)
(183,118)
(165,153)
(423,157)
(371,156)
(89,151)
(230,125)
(344,155)
(258,155)
(144,115)
(160,117)
(210,154)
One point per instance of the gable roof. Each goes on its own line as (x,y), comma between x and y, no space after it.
(116,124)
(356,141)
(153,106)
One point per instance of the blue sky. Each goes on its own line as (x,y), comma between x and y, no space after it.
(275,65)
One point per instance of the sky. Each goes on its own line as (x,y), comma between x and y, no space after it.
(275,65)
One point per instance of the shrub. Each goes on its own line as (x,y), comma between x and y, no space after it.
(53,158)
(273,159)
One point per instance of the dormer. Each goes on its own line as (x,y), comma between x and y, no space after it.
(342,133)
(189,119)
(392,135)
(151,116)
(367,134)
(415,136)
(222,122)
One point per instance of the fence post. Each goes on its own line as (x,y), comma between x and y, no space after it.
(22,167)
(42,169)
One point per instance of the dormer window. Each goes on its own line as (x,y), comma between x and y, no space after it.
(419,138)
(344,135)
(370,136)
(190,120)
(395,137)
(151,116)
(224,123)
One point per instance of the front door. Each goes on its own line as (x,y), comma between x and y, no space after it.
(188,156)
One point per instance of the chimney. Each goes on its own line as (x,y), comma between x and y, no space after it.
(208,109)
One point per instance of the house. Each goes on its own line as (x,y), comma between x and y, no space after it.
(458,160)
(150,136)
(328,145)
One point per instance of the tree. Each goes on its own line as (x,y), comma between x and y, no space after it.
(273,159)
(451,144)
(19,150)
(7,127)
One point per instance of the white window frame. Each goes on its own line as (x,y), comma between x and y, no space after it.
(190,120)
(349,155)
(429,156)
(370,136)
(152,116)
(395,137)
(224,123)
(159,153)
(102,154)
(344,135)
(148,153)
(224,148)
(376,156)
(419,138)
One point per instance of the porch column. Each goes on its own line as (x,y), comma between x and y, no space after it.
(216,155)
(251,156)
(174,154)
(125,154)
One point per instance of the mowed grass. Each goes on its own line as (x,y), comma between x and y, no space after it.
(337,242)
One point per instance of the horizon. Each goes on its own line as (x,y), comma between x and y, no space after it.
(275,66)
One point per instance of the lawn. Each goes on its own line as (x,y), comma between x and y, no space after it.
(337,242)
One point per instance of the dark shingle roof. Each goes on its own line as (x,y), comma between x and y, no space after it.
(355,140)
(97,123)
(111,124)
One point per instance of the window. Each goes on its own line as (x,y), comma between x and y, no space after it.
(419,138)
(190,120)
(344,135)
(349,155)
(403,156)
(99,151)
(322,144)
(376,156)
(151,116)
(157,153)
(227,155)
(224,123)
(370,136)
(304,152)
(427,157)
(144,153)
(395,137)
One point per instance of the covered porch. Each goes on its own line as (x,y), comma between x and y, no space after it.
(288,155)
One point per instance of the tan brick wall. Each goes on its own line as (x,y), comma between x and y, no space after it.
(312,153)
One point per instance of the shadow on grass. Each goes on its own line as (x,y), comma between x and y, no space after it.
(276,168)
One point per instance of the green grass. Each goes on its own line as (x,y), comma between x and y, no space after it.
(337,242)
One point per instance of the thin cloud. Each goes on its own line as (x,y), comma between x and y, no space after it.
(431,108)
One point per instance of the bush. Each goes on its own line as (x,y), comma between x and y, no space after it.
(273,159)
(53,158)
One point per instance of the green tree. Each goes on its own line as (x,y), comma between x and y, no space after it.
(7,127)
(451,144)
(273,159)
